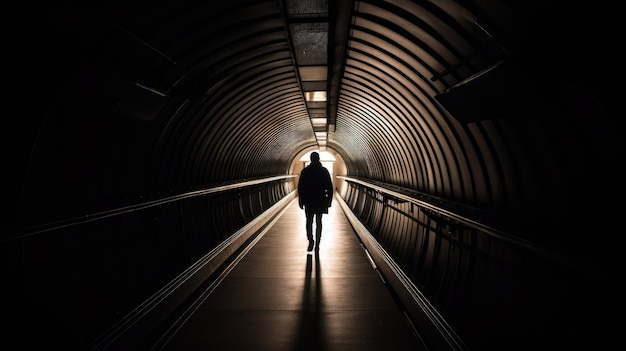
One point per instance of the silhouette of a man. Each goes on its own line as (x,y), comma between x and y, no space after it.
(315,196)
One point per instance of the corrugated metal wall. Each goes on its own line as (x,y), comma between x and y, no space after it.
(493,105)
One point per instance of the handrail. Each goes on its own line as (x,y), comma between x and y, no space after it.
(401,282)
(436,205)
(30,231)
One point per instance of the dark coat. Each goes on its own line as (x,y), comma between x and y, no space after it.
(315,188)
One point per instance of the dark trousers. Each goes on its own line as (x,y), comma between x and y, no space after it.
(309,224)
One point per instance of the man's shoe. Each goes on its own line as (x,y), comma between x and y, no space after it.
(311,242)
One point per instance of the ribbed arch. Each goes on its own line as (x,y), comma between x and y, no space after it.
(390,87)
(466,105)
(227,61)
(373,32)
(452,28)
(343,154)
(402,91)
(409,42)
(237,133)
(239,94)
(286,89)
(386,147)
(176,95)
(401,169)
(437,49)
(368,73)
(291,105)
(455,134)
(407,33)
(355,142)
(270,151)
(273,149)
(245,137)
(245,85)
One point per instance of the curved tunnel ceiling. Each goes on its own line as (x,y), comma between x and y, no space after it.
(448,98)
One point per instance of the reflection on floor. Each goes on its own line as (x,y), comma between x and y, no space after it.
(281,297)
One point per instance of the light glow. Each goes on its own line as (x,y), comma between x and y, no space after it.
(315,95)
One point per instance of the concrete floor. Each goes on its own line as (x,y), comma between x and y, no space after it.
(279,297)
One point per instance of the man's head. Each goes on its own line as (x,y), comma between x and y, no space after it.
(315,157)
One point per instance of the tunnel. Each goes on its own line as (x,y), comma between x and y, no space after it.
(472,147)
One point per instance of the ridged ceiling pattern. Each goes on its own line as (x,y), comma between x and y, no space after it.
(242,103)
(149,98)
(396,49)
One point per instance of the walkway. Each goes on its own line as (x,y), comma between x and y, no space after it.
(281,297)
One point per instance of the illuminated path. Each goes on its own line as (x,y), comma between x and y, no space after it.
(281,297)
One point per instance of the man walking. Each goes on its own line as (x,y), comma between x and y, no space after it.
(315,196)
